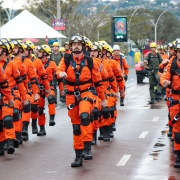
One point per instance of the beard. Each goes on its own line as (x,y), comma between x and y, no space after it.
(77,51)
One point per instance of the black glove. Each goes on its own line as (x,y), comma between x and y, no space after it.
(126,78)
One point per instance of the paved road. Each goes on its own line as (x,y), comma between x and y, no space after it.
(132,154)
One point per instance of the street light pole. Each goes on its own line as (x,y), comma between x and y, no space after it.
(155,26)
(129,42)
(59,17)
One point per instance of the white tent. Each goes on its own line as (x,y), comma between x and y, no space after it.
(26,25)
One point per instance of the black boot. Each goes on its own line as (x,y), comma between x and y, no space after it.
(10,146)
(34,126)
(61,98)
(51,120)
(111,131)
(42,131)
(94,138)
(170,131)
(20,139)
(101,131)
(114,127)
(121,101)
(25,131)
(78,160)
(2,148)
(106,137)
(152,101)
(87,151)
(177,164)
(17,141)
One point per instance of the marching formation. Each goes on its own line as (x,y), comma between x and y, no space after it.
(90,77)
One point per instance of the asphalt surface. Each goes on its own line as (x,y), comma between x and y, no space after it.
(132,154)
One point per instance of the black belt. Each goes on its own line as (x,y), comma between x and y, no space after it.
(71,106)
(80,83)
(175,91)
(111,95)
(77,93)
(105,80)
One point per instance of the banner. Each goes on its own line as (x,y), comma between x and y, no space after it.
(119,29)
(59,24)
(146,52)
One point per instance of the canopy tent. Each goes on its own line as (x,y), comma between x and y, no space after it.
(26,25)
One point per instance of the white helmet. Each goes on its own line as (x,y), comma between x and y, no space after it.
(116,47)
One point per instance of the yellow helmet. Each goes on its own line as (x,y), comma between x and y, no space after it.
(20,44)
(105,46)
(153,45)
(9,42)
(99,46)
(62,49)
(45,48)
(30,45)
(110,49)
(5,45)
(55,44)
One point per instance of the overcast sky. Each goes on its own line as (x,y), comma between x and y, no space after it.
(10,4)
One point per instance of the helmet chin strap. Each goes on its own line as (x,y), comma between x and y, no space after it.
(2,52)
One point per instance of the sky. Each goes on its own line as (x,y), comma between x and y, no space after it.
(10,4)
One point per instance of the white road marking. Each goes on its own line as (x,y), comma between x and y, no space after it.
(155,119)
(123,160)
(58,107)
(143,135)
(132,79)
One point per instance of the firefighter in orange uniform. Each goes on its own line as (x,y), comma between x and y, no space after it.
(50,67)
(171,77)
(21,60)
(120,82)
(81,74)
(123,65)
(41,75)
(15,83)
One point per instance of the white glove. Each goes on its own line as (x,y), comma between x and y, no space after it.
(62,74)
(104,103)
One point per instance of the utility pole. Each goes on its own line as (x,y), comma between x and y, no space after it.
(59,17)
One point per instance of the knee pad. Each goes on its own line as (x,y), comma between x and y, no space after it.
(177,137)
(27,108)
(105,112)
(96,113)
(16,115)
(112,109)
(51,99)
(76,129)
(34,108)
(85,119)
(41,111)
(8,122)
(1,126)
(151,87)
